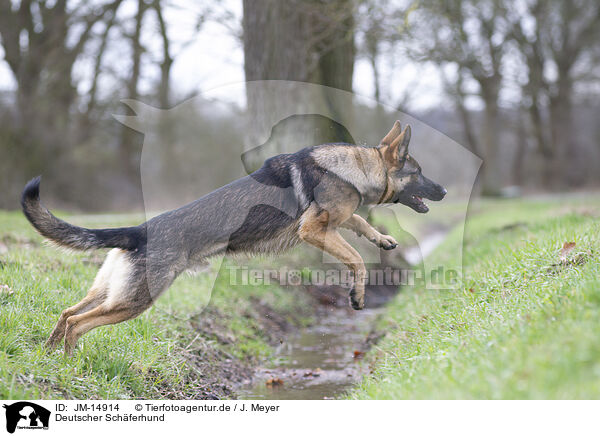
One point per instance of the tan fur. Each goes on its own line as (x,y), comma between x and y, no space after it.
(361,227)
(319,228)
(93,298)
(344,160)
(78,325)
(397,150)
(107,302)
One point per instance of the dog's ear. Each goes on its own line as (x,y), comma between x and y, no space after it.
(392,134)
(398,149)
(404,139)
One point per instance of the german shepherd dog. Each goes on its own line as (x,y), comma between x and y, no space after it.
(304,196)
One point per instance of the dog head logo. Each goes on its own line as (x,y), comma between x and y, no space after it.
(26,415)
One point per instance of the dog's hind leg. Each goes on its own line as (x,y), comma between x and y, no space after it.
(125,300)
(94,298)
(78,325)
(127,294)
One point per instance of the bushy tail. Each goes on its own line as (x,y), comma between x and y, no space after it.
(68,235)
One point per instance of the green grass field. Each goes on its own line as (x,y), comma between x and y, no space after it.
(174,350)
(524,323)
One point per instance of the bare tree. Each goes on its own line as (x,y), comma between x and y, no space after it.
(130,145)
(553,37)
(309,41)
(42,42)
(164,89)
(86,117)
(380,25)
(470,36)
(41,49)
(52,123)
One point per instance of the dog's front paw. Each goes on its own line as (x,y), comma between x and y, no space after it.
(387,242)
(357,299)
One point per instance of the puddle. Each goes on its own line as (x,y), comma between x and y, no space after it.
(319,362)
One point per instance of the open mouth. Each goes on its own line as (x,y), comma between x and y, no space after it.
(419,203)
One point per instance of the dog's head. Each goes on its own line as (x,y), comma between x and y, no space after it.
(406,183)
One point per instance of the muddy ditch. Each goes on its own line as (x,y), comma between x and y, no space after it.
(320,361)
(325,359)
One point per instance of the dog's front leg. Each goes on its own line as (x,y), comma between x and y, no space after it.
(314,232)
(360,226)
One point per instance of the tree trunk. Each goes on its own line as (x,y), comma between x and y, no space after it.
(491,177)
(130,139)
(517,166)
(563,139)
(305,41)
(164,90)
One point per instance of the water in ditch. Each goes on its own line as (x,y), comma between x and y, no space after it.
(325,360)
(320,362)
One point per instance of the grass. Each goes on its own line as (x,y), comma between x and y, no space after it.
(149,357)
(523,324)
